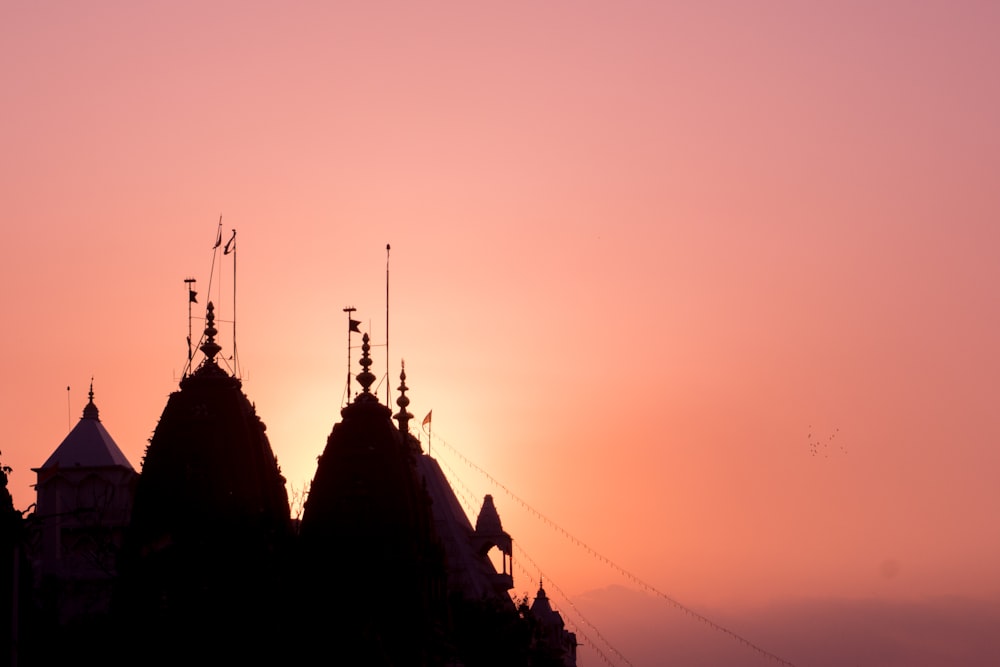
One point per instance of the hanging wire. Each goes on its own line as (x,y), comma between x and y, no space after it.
(469,502)
(628,575)
(576,611)
(574,627)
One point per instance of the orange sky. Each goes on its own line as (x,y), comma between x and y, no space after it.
(644,258)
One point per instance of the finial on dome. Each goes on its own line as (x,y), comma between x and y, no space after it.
(403,416)
(90,410)
(210,348)
(366,377)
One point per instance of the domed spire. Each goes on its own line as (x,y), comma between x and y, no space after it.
(488,521)
(403,417)
(366,377)
(210,348)
(90,410)
(543,611)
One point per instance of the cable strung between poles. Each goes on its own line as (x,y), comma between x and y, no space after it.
(621,570)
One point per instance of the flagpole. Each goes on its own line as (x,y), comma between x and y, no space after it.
(231,248)
(190,284)
(215,254)
(236,359)
(388,385)
(349,310)
(429,423)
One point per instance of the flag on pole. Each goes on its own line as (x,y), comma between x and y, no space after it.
(230,244)
(193,296)
(353,326)
(427,419)
(218,235)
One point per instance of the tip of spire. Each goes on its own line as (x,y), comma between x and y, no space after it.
(90,410)
(403,416)
(366,377)
(210,348)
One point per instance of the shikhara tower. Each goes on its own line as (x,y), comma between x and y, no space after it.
(383,530)
(205,557)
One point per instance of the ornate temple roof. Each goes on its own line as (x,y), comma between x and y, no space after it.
(488,521)
(543,610)
(367,537)
(209,457)
(470,571)
(366,486)
(209,528)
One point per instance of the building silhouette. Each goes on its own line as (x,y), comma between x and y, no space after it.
(84,496)
(202,562)
(15,575)
(549,637)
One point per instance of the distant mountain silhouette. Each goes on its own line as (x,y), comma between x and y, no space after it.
(818,632)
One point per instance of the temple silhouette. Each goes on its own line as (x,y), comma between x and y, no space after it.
(197,560)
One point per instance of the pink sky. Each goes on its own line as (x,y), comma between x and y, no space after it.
(645,256)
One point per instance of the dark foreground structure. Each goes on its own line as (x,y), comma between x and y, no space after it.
(197,560)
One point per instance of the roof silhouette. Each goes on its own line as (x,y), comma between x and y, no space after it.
(88,444)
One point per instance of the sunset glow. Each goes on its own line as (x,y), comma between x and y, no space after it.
(707,294)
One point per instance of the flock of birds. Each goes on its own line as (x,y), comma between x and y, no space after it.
(819,447)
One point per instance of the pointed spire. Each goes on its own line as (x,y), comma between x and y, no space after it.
(90,410)
(366,377)
(210,348)
(403,417)
(488,521)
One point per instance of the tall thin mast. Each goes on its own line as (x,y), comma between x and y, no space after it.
(215,253)
(231,248)
(388,385)
(192,298)
(352,325)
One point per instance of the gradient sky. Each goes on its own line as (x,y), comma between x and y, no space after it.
(714,288)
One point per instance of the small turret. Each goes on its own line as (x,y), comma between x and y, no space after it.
(366,377)
(210,348)
(403,416)
(90,410)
